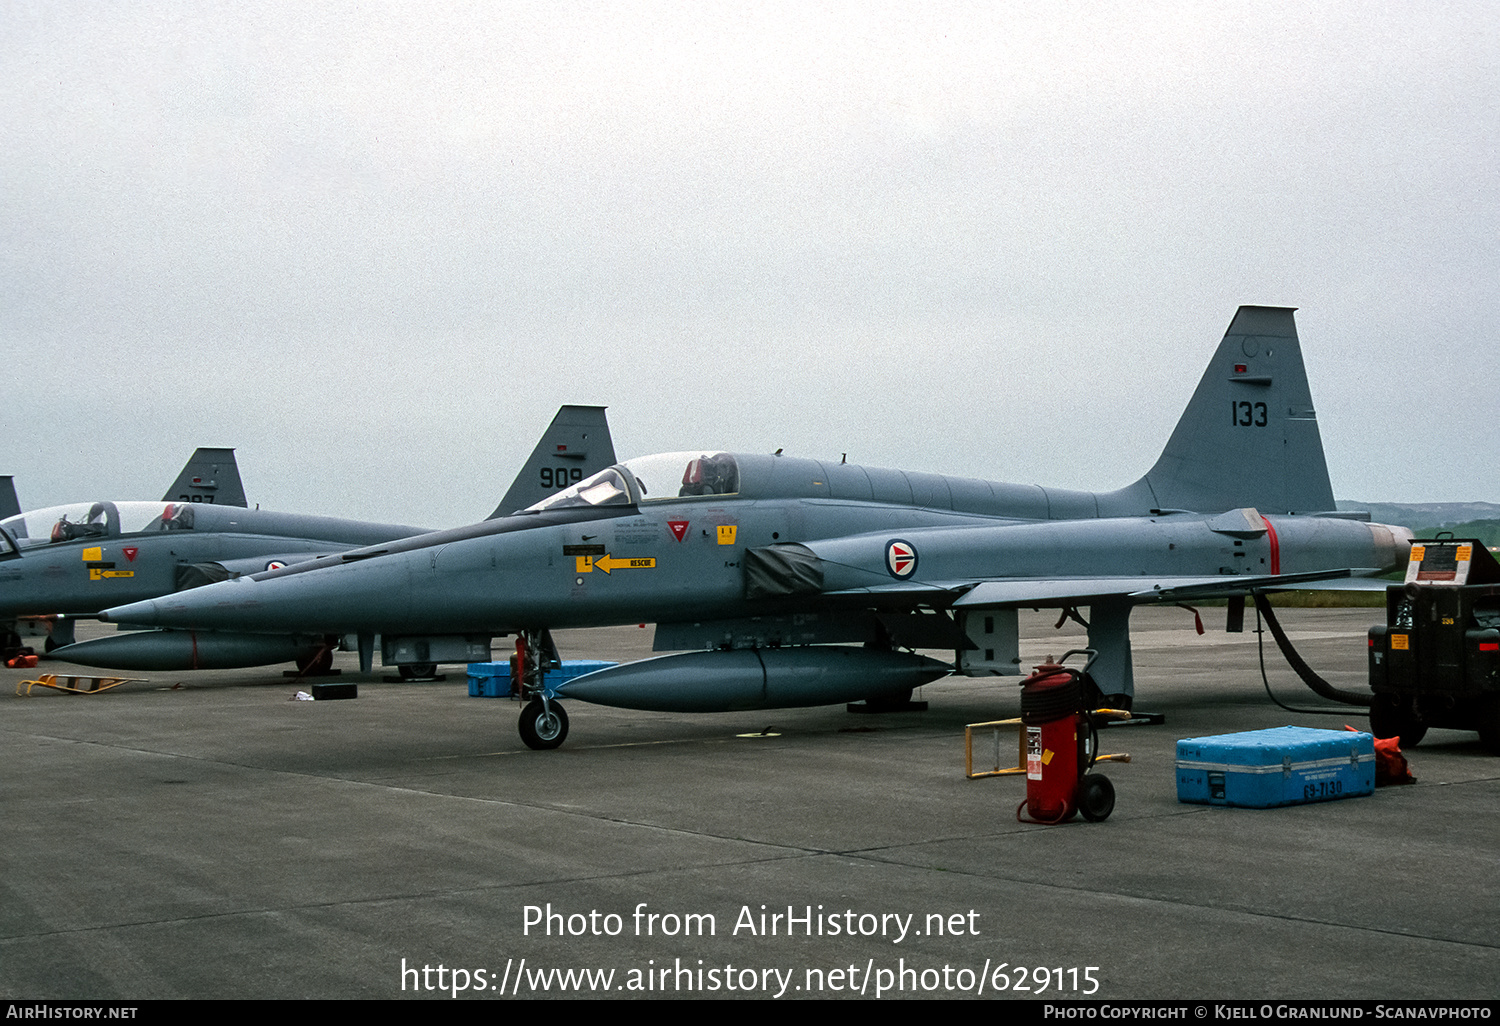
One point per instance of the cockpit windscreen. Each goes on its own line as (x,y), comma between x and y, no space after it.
(84,520)
(674,475)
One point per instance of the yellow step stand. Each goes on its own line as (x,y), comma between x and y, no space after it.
(75,685)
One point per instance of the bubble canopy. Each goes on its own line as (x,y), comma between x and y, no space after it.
(84,520)
(647,479)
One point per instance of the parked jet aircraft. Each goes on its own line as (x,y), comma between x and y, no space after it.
(766,563)
(205,472)
(76,560)
(210,475)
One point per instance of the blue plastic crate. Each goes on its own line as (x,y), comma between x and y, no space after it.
(1261,769)
(492,680)
(576,668)
(489,680)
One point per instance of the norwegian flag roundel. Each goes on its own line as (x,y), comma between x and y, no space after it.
(900,559)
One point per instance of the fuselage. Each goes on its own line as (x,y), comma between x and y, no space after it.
(633,544)
(82,558)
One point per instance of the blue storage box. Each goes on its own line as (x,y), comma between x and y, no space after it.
(489,680)
(1261,769)
(492,680)
(576,668)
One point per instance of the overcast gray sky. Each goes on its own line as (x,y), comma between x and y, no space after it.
(374,246)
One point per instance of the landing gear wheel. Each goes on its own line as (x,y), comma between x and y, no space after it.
(1392,716)
(417,671)
(317,664)
(890,703)
(543,727)
(1489,726)
(1096,797)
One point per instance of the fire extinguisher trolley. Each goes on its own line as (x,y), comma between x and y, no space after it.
(1061,744)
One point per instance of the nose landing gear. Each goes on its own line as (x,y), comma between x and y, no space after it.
(544,723)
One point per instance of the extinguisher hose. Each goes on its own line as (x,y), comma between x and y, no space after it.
(1045,704)
(1299,665)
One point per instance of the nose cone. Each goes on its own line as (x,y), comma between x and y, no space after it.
(215,606)
(141,613)
(338,599)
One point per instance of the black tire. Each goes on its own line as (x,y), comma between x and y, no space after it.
(1392,716)
(890,703)
(1489,725)
(417,671)
(317,664)
(1096,797)
(541,730)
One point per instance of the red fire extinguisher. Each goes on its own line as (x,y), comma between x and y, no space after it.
(1061,744)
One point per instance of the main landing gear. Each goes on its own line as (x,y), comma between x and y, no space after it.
(544,723)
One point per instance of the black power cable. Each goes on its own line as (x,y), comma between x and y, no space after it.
(1298,664)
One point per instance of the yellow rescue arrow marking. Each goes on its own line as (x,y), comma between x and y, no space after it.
(609,563)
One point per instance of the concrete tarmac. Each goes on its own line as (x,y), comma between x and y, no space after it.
(201,836)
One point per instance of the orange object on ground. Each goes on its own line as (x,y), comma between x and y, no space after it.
(1390,765)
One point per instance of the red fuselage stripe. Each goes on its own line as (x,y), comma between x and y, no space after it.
(1275,546)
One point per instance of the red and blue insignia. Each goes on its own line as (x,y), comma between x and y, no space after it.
(901,559)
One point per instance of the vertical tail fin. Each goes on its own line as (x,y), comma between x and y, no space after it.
(576,445)
(1249,435)
(211,475)
(9,504)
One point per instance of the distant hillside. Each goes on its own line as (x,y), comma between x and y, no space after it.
(1426,516)
(1487,531)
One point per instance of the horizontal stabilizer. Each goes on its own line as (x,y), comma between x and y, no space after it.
(1144,589)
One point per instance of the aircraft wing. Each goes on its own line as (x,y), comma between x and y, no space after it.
(1070,591)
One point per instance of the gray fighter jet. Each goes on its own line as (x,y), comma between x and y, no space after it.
(774,567)
(210,475)
(202,477)
(65,562)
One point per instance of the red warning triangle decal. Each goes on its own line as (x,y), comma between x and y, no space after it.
(130,551)
(679,528)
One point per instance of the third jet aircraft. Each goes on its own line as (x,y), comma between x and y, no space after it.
(67,562)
